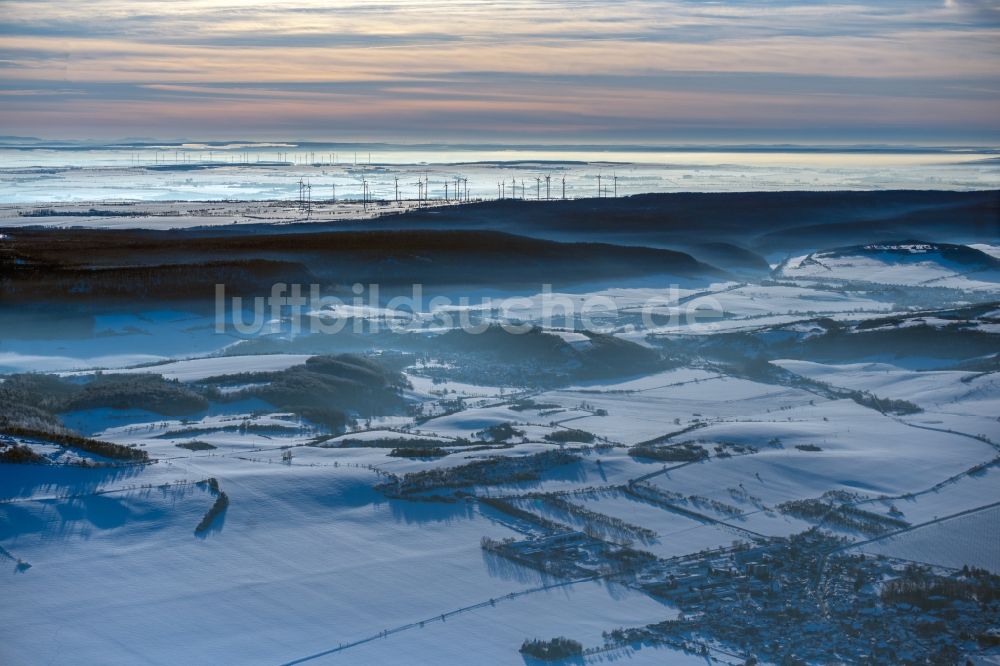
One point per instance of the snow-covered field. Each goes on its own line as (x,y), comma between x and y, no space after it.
(669,402)
(969,539)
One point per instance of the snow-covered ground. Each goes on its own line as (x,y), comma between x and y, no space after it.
(911,264)
(967,393)
(201,368)
(311,562)
(970,539)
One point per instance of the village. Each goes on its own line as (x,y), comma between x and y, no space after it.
(796,600)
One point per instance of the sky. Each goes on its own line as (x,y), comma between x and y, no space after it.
(554,71)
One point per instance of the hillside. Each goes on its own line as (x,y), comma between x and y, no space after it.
(121,265)
(910,262)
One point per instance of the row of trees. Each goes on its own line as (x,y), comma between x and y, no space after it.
(218,507)
(95,446)
(552,650)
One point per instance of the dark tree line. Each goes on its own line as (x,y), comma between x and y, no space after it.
(552,650)
(218,507)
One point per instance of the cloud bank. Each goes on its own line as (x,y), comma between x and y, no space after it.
(560,70)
